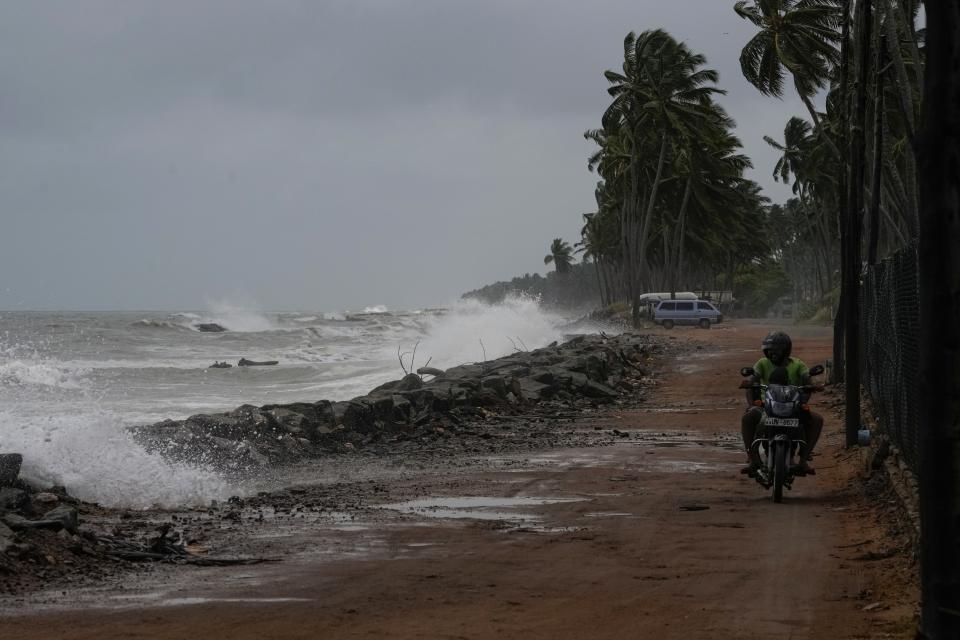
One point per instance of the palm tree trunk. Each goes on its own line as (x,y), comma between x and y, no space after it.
(679,233)
(839,320)
(648,216)
(851,270)
(877,160)
(905,87)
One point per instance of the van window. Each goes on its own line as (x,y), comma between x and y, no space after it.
(705,306)
(668,306)
(684,306)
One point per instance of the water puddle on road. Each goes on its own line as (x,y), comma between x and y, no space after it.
(475,507)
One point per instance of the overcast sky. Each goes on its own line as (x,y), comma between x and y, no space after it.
(316,154)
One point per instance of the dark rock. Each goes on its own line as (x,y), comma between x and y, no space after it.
(495,383)
(66,515)
(243,362)
(220,365)
(209,327)
(9,468)
(410,382)
(533,391)
(596,390)
(12,499)
(62,517)
(6,538)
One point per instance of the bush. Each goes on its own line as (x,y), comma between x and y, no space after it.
(758,285)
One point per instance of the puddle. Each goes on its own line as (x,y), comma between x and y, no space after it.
(179,602)
(474,507)
(609,514)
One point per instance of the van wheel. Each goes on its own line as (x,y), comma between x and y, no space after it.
(668,324)
(704,323)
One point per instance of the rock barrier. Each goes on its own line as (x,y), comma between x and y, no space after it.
(586,371)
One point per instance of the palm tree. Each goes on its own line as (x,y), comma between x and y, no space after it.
(796,151)
(796,36)
(561,255)
(662,97)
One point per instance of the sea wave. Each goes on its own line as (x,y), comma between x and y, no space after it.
(473,331)
(89,451)
(159,324)
(40,374)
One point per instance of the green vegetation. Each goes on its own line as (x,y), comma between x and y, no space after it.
(673,208)
(561,255)
(672,180)
(575,288)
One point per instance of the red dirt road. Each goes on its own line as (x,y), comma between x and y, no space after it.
(628,559)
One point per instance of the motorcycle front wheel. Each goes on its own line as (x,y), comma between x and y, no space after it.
(781,464)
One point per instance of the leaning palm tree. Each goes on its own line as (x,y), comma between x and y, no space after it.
(561,255)
(796,36)
(795,148)
(662,97)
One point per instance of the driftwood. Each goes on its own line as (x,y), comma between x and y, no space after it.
(430,371)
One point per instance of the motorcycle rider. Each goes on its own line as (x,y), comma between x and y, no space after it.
(776,360)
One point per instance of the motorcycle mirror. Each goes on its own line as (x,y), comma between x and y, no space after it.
(747,371)
(816,370)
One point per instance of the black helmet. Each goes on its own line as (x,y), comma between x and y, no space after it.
(776,346)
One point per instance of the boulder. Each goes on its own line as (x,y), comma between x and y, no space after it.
(598,390)
(6,538)
(243,362)
(209,327)
(495,383)
(66,515)
(12,499)
(410,382)
(533,391)
(62,517)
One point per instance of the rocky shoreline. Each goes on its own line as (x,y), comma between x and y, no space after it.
(581,374)
(529,400)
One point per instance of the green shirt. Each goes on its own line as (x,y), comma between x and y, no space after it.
(797,372)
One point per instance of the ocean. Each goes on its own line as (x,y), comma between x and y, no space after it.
(71,382)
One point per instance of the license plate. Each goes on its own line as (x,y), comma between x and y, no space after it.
(782,422)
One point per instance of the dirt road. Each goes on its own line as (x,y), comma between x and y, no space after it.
(658,536)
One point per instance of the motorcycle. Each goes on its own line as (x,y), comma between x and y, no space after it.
(784,409)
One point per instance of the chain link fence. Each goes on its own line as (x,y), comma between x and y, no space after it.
(890,330)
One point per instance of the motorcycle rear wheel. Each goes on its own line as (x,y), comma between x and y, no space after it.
(781,465)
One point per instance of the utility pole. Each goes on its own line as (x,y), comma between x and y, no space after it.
(851,270)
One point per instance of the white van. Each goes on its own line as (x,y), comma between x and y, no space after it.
(694,312)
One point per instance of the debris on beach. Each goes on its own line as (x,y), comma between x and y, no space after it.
(43,539)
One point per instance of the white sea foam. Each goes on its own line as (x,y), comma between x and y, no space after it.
(242,317)
(49,413)
(377,308)
(39,373)
(455,337)
(90,453)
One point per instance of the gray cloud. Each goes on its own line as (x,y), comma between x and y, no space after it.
(312,154)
